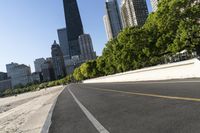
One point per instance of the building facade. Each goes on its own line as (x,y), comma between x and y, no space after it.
(74,25)
(3,76)
(5,84)
(48,71)
(10,67)
(107,27)
(86,47)
(19,74)
(134,12)
(38,63)
(58,61)
(112,19)
(63,41)
(36,77)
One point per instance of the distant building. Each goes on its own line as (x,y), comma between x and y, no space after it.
(47,70)
(49,59)
(3,76)
(73,63)
(63,41)
(64,44)
(70,66)
(112,19)
(154,4)
(73,24)
(38,63)
(107,27)
(58,61)
(36,77)
(9,68)
(5,84)
(20,74)
(134,12)
(86,46)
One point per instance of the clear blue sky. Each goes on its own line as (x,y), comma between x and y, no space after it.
(29,27)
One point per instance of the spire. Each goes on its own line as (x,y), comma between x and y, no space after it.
(55,43)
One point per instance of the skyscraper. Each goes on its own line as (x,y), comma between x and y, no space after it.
(134,12)
(74,25)
(112,19)
(87,51)
(58,61)
(107,27)
(63,41)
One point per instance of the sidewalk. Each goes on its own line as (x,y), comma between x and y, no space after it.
(28,116)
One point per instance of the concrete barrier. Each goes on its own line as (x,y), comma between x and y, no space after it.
(179,70)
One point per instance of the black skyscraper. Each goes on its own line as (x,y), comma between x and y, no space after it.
(74,25)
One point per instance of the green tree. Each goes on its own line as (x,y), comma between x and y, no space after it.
(78,75)
(188,32)
(174,27)
(89,69)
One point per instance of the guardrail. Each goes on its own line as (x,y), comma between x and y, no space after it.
(178,70)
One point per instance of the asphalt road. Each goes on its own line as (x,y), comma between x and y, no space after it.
(144,107)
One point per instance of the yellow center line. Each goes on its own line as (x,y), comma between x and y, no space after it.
(150,95)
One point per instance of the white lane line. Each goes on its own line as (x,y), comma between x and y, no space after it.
(92,119)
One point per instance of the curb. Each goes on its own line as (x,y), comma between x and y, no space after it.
(47,124)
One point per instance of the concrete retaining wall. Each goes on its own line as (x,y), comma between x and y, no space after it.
(179,70)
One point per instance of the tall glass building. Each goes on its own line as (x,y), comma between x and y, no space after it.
(112,19)
(74,25)
(86,46)
(63,40)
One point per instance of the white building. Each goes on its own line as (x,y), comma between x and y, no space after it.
(10,67)
(134,12)
(86,47)
(112,19)
(20,74)
(38,63)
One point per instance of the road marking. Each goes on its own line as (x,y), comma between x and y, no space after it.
(150,95)
(92,119)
